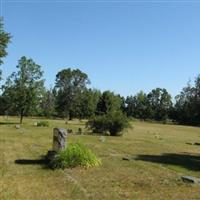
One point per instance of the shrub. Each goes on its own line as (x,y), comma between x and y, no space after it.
(98,124)
(117,122)
(113,122)
(43,123)
(76,154)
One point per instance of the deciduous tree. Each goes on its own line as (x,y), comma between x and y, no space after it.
(4,40)
(70,84)
(23,88)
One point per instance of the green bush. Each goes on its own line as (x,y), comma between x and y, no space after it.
(113,122)
(43,123)
(76,154)
(117,122)
(98,124)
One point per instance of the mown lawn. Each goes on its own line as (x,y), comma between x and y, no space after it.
(161,157)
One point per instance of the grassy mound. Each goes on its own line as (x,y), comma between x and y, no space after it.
(76,154)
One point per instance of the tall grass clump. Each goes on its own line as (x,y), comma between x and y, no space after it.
(43,123)
(76,154)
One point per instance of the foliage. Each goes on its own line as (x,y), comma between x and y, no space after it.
(43,123)
(108,102)
(24,94)
(3,105)
(117,122)
(98,124)
(187,106)
(138,106)
(89,100)
(69,86)
(159,104)
(47,104)
(112,122)
(155,105)
(23,89)
(76,154)
(4,40)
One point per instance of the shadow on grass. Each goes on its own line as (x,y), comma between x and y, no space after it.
(190,162)
(42,161)
(9,123)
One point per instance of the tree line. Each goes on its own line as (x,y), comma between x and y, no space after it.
(24,94)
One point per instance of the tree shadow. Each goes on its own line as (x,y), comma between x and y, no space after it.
(9,123)
(188,161)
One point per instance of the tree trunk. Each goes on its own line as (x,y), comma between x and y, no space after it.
(21,116)
(70,117)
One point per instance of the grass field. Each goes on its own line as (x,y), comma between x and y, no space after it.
(161,157)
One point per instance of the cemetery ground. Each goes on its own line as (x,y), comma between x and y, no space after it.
(158,156)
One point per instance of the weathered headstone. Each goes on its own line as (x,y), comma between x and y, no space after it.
(59,136)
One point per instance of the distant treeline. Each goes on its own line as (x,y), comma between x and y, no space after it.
(24,94)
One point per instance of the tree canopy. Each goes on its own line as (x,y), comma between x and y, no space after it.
(69,86)
(4,40)
(108,102)
(22,90)
(187,106)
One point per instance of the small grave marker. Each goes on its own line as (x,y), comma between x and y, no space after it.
(102,139)
(17,126)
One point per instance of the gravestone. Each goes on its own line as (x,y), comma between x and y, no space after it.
(102,139)
(17,126)
(59,136)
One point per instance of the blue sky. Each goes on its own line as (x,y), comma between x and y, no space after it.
(123,46)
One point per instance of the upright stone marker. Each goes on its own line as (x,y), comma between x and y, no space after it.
(59,135)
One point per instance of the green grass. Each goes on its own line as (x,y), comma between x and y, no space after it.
(42,123)
(161,157)
(76,154)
